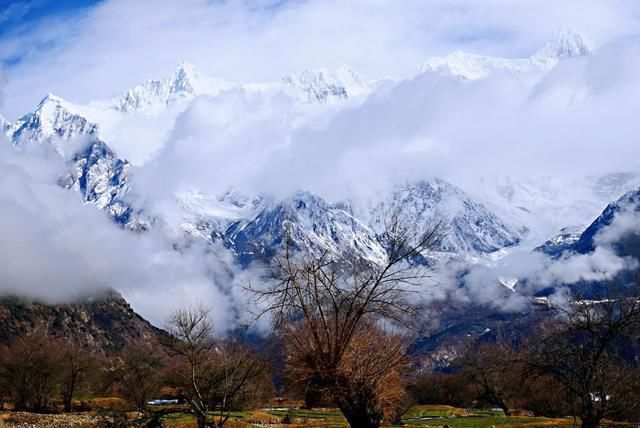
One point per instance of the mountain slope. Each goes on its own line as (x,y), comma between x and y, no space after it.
(104,323)
(312,224)
(102,179)
(618,225)
(468,225)
(255,228)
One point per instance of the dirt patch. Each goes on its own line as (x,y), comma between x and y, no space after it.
(34,420)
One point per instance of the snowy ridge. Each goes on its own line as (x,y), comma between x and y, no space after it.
(186,82)
(584,241)
(560,244)
(54,116)
(326,85)
(565,44)
(182,85)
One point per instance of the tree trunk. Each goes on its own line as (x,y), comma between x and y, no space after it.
(201,420)
(361,418)
(361,408)
(312,396)
(504,407)
(69,390)
(590,421)
(67,401)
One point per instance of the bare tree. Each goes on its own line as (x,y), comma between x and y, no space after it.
(75,365)
(493,368)
(330,299)
(235,370)
(591,348)
(191,334)
(213,374)
(138,374)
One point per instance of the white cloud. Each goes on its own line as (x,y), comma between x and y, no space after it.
(577,120)
(53,247)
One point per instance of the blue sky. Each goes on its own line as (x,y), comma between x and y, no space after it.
(23,16)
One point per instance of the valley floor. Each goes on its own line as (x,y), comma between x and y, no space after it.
(418,416)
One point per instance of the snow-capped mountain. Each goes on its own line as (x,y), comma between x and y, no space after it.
(57,117)
(186,82)
(499,215)
(182,85)
(565,44)
(53,117)
(468,225)
(102,179)
(560,244)
(625,238)
(98,175)
(255,227)
(617,228)
(312,224)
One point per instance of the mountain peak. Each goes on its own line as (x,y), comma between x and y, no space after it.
(185,78)
(54,116)
(187,68)
(565,43)
(50,98)
(154,95)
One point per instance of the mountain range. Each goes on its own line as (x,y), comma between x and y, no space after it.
(490,219)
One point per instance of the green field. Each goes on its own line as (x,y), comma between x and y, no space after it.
(417,416)
(424,416)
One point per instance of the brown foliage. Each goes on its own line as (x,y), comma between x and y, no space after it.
(327,305)
(29,372)
(369,378)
